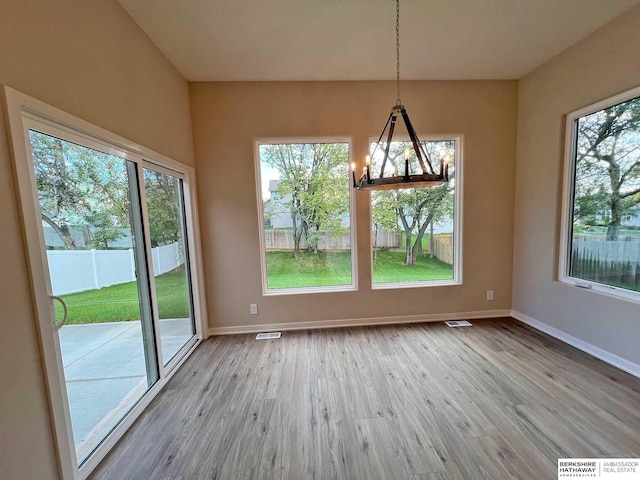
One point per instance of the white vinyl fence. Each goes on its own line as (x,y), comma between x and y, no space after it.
(622,251)
(79,270)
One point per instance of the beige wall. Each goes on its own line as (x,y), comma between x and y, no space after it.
(228,116)
(603,64)
(90,59)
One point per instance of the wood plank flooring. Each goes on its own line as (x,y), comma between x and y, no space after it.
(495,401)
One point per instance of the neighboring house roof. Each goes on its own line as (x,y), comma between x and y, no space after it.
(273,185)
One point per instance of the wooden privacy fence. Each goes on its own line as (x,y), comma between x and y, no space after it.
(615,262)
(443,248)
(280,239)
(386,239)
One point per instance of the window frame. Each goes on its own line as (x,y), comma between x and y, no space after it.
(266,291)
(458,138)
(568,200)
(23,113)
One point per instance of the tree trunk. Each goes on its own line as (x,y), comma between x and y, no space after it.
(87,235)
(296,245)
(297,232)
(418,242)
(615,201)
(409,258)
(432,244)
(375,241)
(613,229)
(612,232)
(63,233)
(316,240)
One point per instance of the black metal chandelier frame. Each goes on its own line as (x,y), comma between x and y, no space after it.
(428,177)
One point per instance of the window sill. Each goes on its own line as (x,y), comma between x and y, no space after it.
(273,292)
(424,284)
(602,289)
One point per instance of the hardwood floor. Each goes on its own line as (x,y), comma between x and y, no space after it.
(498,400)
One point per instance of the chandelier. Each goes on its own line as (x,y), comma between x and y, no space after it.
(397,179)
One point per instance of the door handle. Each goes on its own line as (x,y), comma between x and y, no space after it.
(57,326)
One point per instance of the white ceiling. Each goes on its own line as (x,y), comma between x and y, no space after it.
(221,40)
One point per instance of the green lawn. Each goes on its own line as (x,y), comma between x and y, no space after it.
(325,268)
(389,268)
(425,240)
(120,302)
(334,268)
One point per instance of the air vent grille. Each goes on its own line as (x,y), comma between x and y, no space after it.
(268,336)
(459,323)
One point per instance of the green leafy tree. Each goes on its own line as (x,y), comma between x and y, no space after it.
(384,216)
(103,237)
(608,164)
(313,186)
(80,187)
(413,209)
(163,207)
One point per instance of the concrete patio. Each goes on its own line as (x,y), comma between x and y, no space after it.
(105,372)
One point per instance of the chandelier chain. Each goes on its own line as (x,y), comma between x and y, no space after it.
(398,102)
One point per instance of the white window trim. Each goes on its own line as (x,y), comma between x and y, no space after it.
(266,291)
(21,112)
(457,219)
(566,222)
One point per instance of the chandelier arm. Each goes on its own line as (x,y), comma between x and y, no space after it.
(426,156)
(416,145)
(388,145)
(375,149)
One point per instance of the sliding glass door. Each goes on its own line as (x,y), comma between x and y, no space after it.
(167,226)
(91,222)
(112,236)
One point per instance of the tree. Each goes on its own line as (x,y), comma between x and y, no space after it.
(313,185)
(163,207)
(608,163)
(80,187)
(414,209)
(384,216)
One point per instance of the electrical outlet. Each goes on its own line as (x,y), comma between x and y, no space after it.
(253,308)
(489,294)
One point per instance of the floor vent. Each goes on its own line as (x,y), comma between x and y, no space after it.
(268,336)
(459,323)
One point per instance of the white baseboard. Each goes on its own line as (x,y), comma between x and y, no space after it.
(597,352)
(358,322)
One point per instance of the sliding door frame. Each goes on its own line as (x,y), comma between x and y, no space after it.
(162,366)
(20,111)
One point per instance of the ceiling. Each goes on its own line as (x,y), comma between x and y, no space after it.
(252,40)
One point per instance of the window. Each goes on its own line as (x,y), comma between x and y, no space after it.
(601,218)
(416,232)
(304,202)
